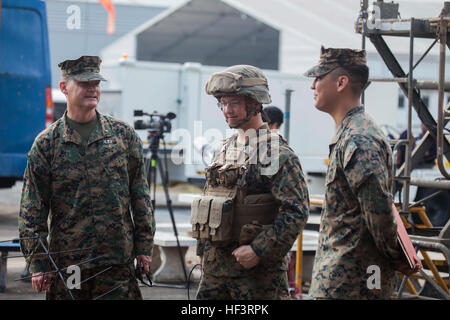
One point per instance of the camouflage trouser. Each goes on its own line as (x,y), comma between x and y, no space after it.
(122,277)
(262,286)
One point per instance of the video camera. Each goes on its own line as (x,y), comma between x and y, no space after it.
(157,122)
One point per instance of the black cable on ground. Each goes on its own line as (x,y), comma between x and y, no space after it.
(189,279)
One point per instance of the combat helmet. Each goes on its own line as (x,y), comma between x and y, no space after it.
(240,80)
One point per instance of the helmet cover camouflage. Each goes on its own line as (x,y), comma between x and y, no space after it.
(332,58)
(85,68)
(240,80)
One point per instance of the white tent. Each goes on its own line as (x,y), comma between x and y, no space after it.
(210,32)
(273,34)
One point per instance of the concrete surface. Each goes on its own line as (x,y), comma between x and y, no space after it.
(19,290)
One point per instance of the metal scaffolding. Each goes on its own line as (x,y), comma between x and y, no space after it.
(385,22)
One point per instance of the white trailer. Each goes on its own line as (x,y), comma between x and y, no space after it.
(180,88)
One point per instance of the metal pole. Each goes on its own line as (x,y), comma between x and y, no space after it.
(57,268)
(363,46)
(364,4)
(406,182)
(428,183)
(394,159)
(441,84)
(287,114)
(299,262)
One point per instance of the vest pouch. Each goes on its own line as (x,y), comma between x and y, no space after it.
(212,177)
(227,175)
(221,220)
(231,177)
(259,209)
(250,231)
(203,216)
(194,218)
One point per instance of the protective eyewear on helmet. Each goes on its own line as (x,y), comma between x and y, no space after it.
(233,104)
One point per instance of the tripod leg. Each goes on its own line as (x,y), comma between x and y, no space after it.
(151,177)
(147,169)
(153,168)
(169,207)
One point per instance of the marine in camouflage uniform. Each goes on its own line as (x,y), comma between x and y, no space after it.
(358,227)
(91,196)
(223,276)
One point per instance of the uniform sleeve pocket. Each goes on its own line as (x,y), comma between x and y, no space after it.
(349,151)
(331,173)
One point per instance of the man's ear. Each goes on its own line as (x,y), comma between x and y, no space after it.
(342,82)
(63,87)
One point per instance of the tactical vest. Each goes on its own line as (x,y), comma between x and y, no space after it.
(225,213)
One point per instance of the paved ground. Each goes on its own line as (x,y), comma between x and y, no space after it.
(19,290)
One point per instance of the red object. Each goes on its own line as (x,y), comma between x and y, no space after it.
(405,241)
(108,5)
(293,287)
(49,108)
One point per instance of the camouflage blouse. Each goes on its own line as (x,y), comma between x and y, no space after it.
(93,197)
(357,228)
(288,186)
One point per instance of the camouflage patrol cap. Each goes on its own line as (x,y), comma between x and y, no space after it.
(332,58)
(85,68)
(240,80)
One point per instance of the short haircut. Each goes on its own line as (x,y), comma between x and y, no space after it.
(274,114)
(358,75)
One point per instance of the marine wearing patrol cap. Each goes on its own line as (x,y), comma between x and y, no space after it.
(332,58)
(85,68)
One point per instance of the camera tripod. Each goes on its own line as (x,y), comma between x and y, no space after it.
(153,162)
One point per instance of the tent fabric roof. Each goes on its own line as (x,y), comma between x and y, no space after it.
(212,33)
(272,34)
